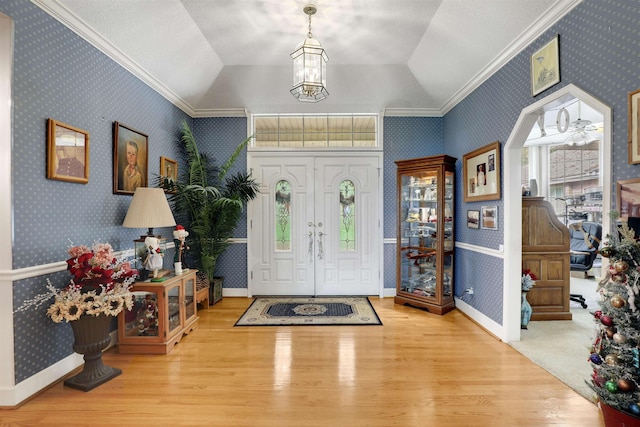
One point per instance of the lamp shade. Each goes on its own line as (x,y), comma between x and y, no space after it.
(148,209)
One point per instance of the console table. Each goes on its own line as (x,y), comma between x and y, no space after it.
(162,313)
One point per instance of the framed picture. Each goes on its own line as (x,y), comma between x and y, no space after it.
(168,174)
(545,67)
(67,152)
(130,154)
(489,217)
(481,173)
(473,219)
(628,197)
(634,131)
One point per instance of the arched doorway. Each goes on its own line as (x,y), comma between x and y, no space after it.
(513,199)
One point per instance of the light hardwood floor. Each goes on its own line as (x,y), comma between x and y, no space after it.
(419,369)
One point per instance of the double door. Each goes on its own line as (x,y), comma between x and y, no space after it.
(314,229)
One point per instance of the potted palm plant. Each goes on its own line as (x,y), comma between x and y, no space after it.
(208,202)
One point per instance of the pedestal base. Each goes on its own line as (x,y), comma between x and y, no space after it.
(87,381)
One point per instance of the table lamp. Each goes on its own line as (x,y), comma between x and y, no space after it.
(148,209)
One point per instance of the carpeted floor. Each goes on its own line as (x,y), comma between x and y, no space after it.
(561,347)
(293,311)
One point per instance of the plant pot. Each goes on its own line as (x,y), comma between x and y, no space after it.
(91,335)
(615,418)
(216,289)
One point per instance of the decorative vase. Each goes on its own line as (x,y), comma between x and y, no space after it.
(91,335)
(525,311)
(615,418)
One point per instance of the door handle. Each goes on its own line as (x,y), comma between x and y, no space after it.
(320,250)
(310,250)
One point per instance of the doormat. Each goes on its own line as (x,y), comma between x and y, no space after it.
(295,311)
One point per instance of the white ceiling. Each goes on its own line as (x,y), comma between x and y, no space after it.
(220,57)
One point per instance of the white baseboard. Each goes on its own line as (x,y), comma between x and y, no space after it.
(482,320)
(38,382)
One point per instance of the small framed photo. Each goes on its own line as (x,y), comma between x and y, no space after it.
(489,217)
(634,130)
(130,154)
(67,153)
(545,67)
(168,174)
(481,173)
(473,219)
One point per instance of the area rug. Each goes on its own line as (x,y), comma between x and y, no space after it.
(295,311)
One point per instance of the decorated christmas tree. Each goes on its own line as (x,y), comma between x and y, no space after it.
(615,356)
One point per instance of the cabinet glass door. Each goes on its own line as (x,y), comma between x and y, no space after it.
(189,298)
(419,229)
(174,308)
(142,319)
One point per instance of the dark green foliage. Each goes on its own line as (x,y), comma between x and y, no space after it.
(207,202)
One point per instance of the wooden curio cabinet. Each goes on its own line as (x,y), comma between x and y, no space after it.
(162,313)
(426,233)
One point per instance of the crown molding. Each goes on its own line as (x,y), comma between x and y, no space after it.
(412,112)
(58,11)
(221,112)
(552,15)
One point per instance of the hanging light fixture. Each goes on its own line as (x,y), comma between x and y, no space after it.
(583,132)
(309,66)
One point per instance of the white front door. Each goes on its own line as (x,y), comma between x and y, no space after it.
(314,229)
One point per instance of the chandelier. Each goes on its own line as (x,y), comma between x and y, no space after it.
(309,66)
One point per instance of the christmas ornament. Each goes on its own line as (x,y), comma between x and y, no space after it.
(625,386)
(634,408)
(610,331)
(611,359)
(617,301)
(620,278)
(619,338)
(597,314)
(606,320)
(607,251)
(611,386)
(620,266)
(595,358)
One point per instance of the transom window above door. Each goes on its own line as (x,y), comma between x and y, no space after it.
(315,131)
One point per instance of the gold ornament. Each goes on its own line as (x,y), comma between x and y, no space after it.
(617,301)
(619,338)
(611,359)
(620,266)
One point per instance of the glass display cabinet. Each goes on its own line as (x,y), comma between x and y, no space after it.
(162,313)
(426,233)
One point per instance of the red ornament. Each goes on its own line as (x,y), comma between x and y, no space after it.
(606,320)
(597,314)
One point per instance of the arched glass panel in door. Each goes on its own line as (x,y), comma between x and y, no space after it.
(347,216)
(283,215)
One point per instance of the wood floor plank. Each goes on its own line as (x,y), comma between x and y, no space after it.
(418,369)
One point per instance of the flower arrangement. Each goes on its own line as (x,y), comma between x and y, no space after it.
(100,285)
(528,280)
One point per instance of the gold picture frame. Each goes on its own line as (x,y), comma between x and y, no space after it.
(634,129)
(481,173)
(130,159)
(168,174)
(545,66)
(67,153)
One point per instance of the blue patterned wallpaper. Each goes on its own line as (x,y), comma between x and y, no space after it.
(599,52)
(59,75)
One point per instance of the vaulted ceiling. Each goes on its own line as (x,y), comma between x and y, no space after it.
(221,57)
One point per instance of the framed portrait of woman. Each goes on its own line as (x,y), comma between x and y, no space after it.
(130,159)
